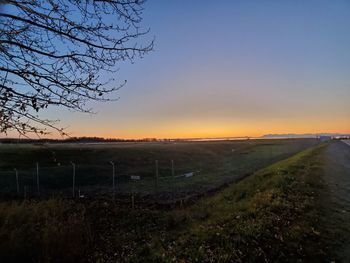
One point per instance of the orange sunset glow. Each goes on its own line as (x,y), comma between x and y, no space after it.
(253,69)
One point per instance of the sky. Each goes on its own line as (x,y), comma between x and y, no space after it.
(231,68)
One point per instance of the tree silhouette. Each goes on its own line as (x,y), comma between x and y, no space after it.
(54,52)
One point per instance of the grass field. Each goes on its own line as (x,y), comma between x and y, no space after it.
(271,216)
(213,164)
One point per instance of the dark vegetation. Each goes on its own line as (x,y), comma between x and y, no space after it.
(271,216)
(76,140)
(214,164)
(43,231)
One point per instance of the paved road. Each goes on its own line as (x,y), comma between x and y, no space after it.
(337,177)
(346,141)
(337,172)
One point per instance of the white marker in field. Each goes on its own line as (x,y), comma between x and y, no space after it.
(80,195)
(189,174)
(135,177)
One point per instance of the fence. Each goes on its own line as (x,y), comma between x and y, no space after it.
(139,174)
(84,180)
(197,169)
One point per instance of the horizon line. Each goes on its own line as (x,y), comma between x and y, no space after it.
(266,136)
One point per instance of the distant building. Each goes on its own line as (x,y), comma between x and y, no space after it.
(324,138)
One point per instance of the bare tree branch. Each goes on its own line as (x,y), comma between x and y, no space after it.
(53,52)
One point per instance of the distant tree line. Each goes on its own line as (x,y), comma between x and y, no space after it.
(79,140)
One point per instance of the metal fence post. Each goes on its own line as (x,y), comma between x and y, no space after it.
(173,178)
(132,201)
(17,184)
(73,186)
(37,178)
(113,178)
(156,181)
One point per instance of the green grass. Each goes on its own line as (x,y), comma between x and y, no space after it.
(269,216)
(216,163)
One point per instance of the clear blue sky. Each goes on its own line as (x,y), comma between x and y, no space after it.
(231,68)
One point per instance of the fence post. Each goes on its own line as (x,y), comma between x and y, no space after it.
(37,178)
(132,201)
(156,181)
(113,180)
(73,190)
(173,178)
(17,184)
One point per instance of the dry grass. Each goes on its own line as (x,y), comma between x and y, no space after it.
(46,231)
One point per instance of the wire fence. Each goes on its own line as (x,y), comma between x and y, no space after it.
(193,173)
(84,181)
